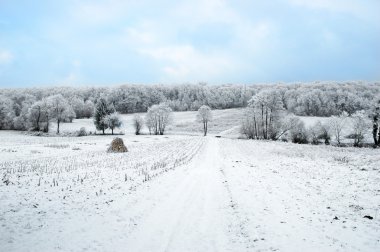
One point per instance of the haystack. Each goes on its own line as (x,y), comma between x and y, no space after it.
(117,145)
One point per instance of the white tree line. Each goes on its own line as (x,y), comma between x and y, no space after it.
(309,99)
(266,118)
(269,114)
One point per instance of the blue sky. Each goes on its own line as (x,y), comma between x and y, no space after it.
(93,42)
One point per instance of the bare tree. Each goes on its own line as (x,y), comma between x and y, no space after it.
(337,124)
(360,126)
(138,123)
(6,113)
(113,121)
(38,116)
(249,126)
(58,106)
(324,132)
(69,114)
(158,117)
(284,125)
(266,106)
(204,116)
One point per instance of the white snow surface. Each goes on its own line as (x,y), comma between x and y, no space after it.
(186,193)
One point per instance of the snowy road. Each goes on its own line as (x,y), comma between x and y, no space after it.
(193,214)
(232,195)
(240,196)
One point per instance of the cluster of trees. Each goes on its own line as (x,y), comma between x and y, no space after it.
(28,108)
(29,114)
(106,117)
(157,118)
(266,117)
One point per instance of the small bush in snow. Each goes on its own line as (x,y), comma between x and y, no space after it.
(298,134)
(82,132)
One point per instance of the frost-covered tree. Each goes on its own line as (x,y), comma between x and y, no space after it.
(360,126)
(113,121)
(324,132)
(320,131)
(158,117)
(138,123)
(337,125)
(77,105)
(24,102)
(6,113)
(375,130)
(375,114)
(204,116)
(284,125)
(102,109)
(59,108)
(88,109)
(39,116)
(264,112)
(150,122)
(69,114)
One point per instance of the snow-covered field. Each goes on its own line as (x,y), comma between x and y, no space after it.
(186,193)
(225,122)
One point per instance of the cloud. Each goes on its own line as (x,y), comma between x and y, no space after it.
(99,12)
(140,35)
(182,58)
(185,40)
(185,63)
(73,75)
(6,57)
(363,9)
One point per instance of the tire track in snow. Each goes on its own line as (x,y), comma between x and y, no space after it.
(197,215)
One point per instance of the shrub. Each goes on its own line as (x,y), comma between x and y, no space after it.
(298,134)
(82,132)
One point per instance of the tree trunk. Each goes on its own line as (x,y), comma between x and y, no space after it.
(38,119)
(103,130)
(375,134)
(47,123)
(262,119)
(204,128)
(58,121)
(254,121)
(266,123)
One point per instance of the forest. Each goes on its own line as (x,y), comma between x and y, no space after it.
(19,107)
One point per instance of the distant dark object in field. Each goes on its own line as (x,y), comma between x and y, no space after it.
(368,217)
(218,136)
(117,145)
(336,218)
(82,132)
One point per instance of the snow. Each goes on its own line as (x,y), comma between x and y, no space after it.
(182,123)
(186,193)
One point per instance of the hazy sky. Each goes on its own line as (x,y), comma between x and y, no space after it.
(215,41)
